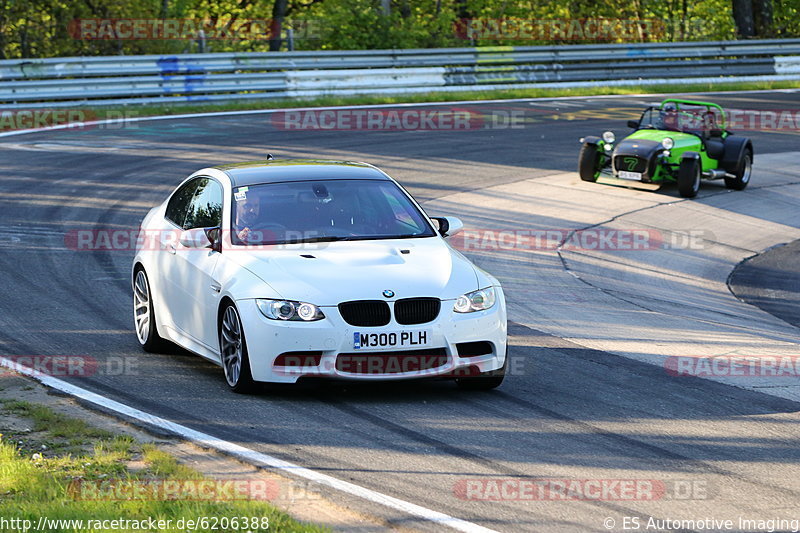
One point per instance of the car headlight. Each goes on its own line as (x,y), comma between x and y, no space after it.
(667,143)
(609,137)
(289,310)
(475,301)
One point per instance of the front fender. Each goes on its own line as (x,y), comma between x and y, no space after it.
(591,139)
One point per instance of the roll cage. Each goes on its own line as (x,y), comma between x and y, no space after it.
(702,119)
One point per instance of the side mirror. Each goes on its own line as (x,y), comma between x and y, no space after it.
(448,226)
(215,238)
(202,238)
(633,124)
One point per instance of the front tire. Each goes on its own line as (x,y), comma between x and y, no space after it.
(588,163)
(233,351)
(689,177)
(743,171)
(144,317)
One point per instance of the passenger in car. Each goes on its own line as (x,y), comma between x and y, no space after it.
(247,211)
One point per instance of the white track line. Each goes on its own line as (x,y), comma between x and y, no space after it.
(245,454)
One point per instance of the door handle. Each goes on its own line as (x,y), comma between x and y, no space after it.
(171,249)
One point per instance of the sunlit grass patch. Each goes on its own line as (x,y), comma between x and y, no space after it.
(94,482)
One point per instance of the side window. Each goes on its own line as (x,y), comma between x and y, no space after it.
(205,210)
(178,205)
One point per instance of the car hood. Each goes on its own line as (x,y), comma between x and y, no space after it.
(326,274)
(682,140)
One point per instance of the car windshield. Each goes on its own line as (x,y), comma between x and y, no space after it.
(323,211)
(695,120)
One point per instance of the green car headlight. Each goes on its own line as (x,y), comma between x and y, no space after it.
(667,143)
(609,137)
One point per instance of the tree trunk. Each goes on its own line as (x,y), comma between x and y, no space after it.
(3,29)
(278,15)
(743,17)
(763,16)
(462,10)
(684,16)
(386,7)
(405,9)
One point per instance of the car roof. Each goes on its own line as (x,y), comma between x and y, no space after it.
(278,170)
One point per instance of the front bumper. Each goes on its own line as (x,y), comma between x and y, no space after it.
(331,337)
(637,155)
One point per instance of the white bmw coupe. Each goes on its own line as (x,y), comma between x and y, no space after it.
(286,269)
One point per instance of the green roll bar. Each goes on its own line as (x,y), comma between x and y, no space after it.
(708,105)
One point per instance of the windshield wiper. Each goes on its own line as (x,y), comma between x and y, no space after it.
(323,239)
(332,238)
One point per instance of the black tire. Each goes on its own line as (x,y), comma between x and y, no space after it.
(588,162)
(144,317)
(743,172)
(486,380)
(689,177)
(233,351)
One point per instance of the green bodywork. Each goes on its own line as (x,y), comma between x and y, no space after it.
(684,142)
(667,167)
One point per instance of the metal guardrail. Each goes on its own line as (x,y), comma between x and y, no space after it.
(231,76)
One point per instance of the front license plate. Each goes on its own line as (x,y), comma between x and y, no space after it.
(388,340)
(625,175)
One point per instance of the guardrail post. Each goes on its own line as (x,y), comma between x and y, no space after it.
(201,41)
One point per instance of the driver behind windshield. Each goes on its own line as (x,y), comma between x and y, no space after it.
(247,211)
(669,118)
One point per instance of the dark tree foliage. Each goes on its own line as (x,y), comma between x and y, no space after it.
(44,28)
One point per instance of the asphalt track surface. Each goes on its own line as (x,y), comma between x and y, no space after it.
(771,282)
(567,412)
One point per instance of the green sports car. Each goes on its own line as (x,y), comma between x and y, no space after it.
(680,141)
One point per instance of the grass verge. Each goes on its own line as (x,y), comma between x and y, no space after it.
(80,479)
(175,109)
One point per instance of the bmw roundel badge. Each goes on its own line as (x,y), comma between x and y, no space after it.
(388,294)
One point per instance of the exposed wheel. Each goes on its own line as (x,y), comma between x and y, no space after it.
(144,318)
(689,177)
(233,350)
(743,170)
(486,380)
(588,162)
